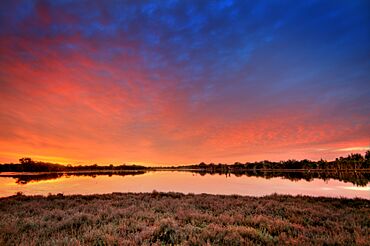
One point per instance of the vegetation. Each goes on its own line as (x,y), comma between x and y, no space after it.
(357,178)
(354,168)
(174,218)
(23,179)
(29,165)
(351,162)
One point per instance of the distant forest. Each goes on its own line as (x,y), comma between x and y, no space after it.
(29,165)
(351,162)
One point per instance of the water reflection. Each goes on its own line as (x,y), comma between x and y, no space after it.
(356,178)
(23,179)
(249,183)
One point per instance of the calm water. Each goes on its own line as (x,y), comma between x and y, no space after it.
(185,182)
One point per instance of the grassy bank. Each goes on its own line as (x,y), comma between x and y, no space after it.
(173,218)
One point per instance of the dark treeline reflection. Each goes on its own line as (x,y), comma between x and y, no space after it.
(36,177)
(354,168)
(357,178)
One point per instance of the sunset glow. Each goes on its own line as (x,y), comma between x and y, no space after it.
(180,82)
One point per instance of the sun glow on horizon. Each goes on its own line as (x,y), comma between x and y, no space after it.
(59,160)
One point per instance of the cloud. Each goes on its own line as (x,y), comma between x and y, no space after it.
(361,148)
(182,82)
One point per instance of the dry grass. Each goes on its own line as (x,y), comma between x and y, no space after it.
(173,218)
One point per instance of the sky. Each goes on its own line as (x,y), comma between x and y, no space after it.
(180,82)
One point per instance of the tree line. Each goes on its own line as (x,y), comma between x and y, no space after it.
(28,165)
(351,162)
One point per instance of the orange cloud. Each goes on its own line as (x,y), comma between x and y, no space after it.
(62,100)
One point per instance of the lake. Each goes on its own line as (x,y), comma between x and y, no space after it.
(177,181)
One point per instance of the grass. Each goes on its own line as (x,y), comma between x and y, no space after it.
(174,218)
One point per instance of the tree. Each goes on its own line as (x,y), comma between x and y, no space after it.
(202,165)
(367,159)
(367,155)
(26,160)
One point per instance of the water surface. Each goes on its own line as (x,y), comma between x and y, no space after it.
(185,182)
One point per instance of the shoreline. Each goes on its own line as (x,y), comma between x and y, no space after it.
(358,178)
(176,218)
(365,170)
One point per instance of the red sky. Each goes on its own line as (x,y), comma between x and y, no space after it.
(183,83)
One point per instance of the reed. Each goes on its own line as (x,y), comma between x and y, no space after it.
(174,218)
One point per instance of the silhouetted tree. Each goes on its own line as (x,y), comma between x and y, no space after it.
(367,159)
(26,160)
(367,155)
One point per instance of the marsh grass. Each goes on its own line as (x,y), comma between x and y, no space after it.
(174,218)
